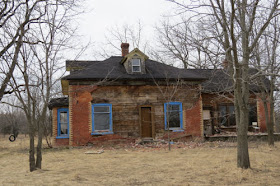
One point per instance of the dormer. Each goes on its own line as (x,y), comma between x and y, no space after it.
(134,61)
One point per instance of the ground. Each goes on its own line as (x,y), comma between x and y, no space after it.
(193,163)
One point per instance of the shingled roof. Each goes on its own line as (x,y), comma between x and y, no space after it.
(112,68)
(219,80)
(58,102)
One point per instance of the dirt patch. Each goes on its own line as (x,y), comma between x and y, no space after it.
(186,164)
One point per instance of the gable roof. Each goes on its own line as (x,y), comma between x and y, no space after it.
(132,53)
(112,69)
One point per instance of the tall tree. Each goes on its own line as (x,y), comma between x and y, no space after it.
(234,22)
(39,68)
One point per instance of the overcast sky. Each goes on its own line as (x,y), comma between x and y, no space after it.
(106,14)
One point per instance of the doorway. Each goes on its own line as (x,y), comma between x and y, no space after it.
(146,122)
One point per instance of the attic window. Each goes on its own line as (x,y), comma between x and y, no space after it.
(136,65)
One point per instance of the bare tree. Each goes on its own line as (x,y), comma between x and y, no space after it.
(39,68)
(236,22)
(126,33)
(15,20)
(267,62)
(186,44)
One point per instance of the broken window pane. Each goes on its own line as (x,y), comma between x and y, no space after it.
(63,128)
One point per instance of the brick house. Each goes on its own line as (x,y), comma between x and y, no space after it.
(130,96)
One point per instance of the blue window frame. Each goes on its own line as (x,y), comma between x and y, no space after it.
(62,123)
(102,119)
(173,113)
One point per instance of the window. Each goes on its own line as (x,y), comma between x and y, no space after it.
(136,65)
(102,119)
(226,115)
(62,123)
(253,114)
(173,115)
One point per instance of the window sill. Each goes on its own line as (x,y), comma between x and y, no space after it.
(101,133)
(62,137)
(176,129)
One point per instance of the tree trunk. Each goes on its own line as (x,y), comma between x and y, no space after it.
(39,147)
(270,131)
(32,166)
(270,125)
(243,160)
(241,95)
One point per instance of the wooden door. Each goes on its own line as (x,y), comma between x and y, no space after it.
(146,122)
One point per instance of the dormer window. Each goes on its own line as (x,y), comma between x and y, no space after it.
(136,65)
(135,62)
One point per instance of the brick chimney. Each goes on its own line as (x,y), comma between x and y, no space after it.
(125,48)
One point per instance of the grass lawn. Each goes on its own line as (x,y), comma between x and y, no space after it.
(186,164)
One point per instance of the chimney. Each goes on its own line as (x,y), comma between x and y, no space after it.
(125,48)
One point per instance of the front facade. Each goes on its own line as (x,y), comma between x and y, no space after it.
(128,97)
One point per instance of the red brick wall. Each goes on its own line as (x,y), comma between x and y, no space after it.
(193,119)
(80,114)
(61,142)
(81,118)
(261,115)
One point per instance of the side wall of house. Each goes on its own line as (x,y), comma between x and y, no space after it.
(126,101)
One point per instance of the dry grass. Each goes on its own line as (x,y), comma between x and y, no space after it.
(191,164)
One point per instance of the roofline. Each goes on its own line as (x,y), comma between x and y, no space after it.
(89,79)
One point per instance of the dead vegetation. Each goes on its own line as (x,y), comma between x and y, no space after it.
(193,163)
